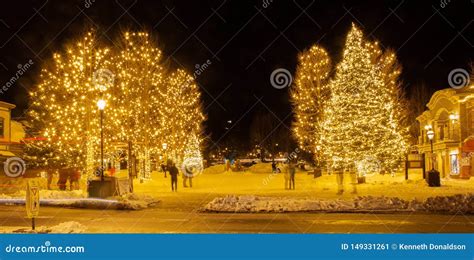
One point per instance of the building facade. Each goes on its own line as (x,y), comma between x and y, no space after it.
(5,129)
(450,116)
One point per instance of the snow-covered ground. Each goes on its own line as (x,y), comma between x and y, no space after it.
(463,203)
(214,182)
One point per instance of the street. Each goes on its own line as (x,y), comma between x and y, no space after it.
(158,220)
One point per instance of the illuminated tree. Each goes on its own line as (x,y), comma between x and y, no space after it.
(137,100)
(64,103)
(362,118)
(309,95)
(146,105)
(180,113)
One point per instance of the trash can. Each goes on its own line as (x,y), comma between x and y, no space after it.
(433,178)
(360,179)
(317,172)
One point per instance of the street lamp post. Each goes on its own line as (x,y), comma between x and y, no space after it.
(165,146)
(430,135)
(101,106)
(433,175)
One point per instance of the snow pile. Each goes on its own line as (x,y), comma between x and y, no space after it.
(63,228)
(458,203)
(126,202)
(243,204)
(135,201)
(254,204)
(380,203)
(48,194)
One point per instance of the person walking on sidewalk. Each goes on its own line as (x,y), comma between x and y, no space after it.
(292,172)
(173,172)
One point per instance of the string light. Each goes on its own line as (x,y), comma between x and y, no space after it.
(359,112)
(365,113)
(146,104)
(308,97)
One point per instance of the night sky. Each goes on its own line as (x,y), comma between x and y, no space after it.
(244,41)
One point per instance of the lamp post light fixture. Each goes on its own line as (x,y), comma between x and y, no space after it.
(430,135)
(101,106)
(453,117)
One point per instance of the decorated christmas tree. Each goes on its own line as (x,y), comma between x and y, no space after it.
(362,120)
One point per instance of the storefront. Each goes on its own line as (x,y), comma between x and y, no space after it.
(450,120)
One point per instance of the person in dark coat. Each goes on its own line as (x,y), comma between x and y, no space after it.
(274,166)
(173,171)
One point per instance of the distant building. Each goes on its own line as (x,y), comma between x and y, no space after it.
(450,115)
(11,132)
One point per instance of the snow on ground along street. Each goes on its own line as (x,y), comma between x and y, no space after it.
(182,211)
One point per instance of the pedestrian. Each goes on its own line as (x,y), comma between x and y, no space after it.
(174,176)
(286,175)
(188,175)
(63,178)
(339,172)
(49,175)
(163,167)
(74,178)
(274,166)
(227,165)
(292,172)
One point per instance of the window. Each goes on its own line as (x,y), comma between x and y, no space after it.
(454,164)
(2,127)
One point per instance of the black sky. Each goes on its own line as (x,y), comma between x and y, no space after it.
(244,40)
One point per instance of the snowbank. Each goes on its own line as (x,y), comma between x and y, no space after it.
(253,204)
(136,201)
(126,202)
(65,227)
(48,194)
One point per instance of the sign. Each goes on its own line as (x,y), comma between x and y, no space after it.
(414,160)
(32,198)
(415,164)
